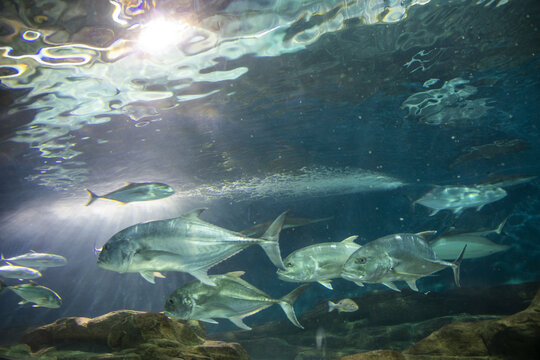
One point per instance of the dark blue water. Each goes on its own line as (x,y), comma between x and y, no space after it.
(308,107)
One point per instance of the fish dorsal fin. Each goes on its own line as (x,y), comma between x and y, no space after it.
(32,251)
(128,183)
(193,214)
(426,234)
(236,274)
(349,240)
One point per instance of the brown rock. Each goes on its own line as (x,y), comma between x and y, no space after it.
(128,334)
(376,355)
(513,337)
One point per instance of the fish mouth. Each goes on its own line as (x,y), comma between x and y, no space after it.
(350,276)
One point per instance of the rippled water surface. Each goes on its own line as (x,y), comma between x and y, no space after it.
(342,109)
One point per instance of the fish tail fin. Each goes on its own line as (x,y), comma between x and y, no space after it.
(92,198)
(287,302)
(331,306)
(271,245)
(457,264)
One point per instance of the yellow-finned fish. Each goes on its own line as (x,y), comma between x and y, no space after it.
(135,192)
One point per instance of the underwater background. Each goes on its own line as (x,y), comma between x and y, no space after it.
(344,109)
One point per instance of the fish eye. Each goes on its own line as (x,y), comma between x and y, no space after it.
(106,247)
(170,301)
(289,264)
(361,260)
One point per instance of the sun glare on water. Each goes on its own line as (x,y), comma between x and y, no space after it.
(161,34)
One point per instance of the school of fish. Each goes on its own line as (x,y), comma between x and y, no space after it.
(191,245)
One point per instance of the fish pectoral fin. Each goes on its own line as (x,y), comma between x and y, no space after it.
(22,302)
(237,274)
(209,320)
(159,275)
(238,322)
(326,283)
(412,285)
(391,285)
(148,276)
(435,211)
(36,306)
(202,276)
(359,283)
(458,210)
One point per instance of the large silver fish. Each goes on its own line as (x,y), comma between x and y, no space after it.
(457,198)
(290,222)
(134,192)
(406,257)
(232,298)
(41,296)
(18,272)
(185,243)
(36,260)
(320,262)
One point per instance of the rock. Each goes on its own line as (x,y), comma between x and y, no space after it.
(123,334)
(513,337)
(376,355)
(385,320)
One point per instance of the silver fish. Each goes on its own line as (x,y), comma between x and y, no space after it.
(231,298)
(38,261)
(343,305)
(18,272)
(449,247)
(290,222)
(478,232)
(457,198)
(406,257)
(320,262)
(134,192)
(41,296)
(186,244)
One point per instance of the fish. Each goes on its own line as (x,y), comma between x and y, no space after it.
(478,232)
(458,198)
(231,298)
(40,295)
(18,272)
(38,261)
(290,222)
(318,263)
(344,305)
(448,247)
(186,244)
(403,256)
(508,180)
(134,192)
(491,150)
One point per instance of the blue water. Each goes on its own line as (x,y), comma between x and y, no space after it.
(250,108)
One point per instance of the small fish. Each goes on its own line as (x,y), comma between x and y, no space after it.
(320,262)
(406,257)
(231,298)
(135,192)
(41,296)
(18,272)
(344,305)
(448,247)
(185,243)
(38,261)
(290,222)
(457,198)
